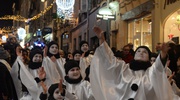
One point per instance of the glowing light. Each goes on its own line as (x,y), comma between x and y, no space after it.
(21,33)
(4,38)
(65,4)
(65,8)
(178,19)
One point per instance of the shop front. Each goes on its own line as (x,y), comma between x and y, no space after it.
(172,27)
(166,19)
(140,32)
(139,24)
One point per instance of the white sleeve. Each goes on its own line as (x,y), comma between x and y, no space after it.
(104,72)
(51,70)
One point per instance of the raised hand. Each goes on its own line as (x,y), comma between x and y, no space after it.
(53,58)
(45,51)
(164,50)
(60,86)
(45,89)
(41,73)
(170,79)
(83,54)
(100,34)
(18,51)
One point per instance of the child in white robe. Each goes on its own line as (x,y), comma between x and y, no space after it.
(26,78)
(86,57)
(53,63)
(80,89)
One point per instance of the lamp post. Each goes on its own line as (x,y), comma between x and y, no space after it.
(106,13)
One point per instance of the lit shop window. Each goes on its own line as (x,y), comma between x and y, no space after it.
(140,32)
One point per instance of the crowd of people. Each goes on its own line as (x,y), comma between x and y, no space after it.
(104,74)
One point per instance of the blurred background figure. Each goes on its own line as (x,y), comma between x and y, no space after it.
(126,55)
(172,56)
(158,48)
(77,56)
(10,46)
(7,89)
(118,55)
(153,57)
(62,53)
(131,49)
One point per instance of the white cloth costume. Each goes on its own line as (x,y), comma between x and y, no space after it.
(173,85)
(84,63)
(14,74)
(79,91)
(114,80)
(55,69)
(27,76)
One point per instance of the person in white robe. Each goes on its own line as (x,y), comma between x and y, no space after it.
(86,57)
(112,79)
(74,83)
(53,63)
(55,92)
(27,78)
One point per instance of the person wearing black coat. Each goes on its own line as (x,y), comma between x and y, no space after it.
(7,89)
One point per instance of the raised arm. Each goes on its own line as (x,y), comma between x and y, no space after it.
(164,53)
(100,34)
(164,50)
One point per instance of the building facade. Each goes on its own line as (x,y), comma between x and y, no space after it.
(166,21)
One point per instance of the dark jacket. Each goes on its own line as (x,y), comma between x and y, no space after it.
(6,84)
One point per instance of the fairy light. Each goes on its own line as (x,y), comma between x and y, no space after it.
(23,19)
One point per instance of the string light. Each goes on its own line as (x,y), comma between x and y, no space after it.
(23,19)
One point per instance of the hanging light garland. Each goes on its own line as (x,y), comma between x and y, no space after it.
(42,12)
(13,17)
(23,19)
(7,29)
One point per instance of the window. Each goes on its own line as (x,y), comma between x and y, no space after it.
(139,32)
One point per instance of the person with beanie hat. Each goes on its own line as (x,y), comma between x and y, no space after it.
(55,92)
(86,57)
(74,83)
(27,78)
(138,80)
(77,56)
(53,63)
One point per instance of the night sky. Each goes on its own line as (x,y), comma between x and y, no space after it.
(6,9)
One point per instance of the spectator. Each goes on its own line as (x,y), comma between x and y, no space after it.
(158,48)
(153,57)
(131,49)
(86,57)
(126,55)
(10,46)
(77,56)
(7,89)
